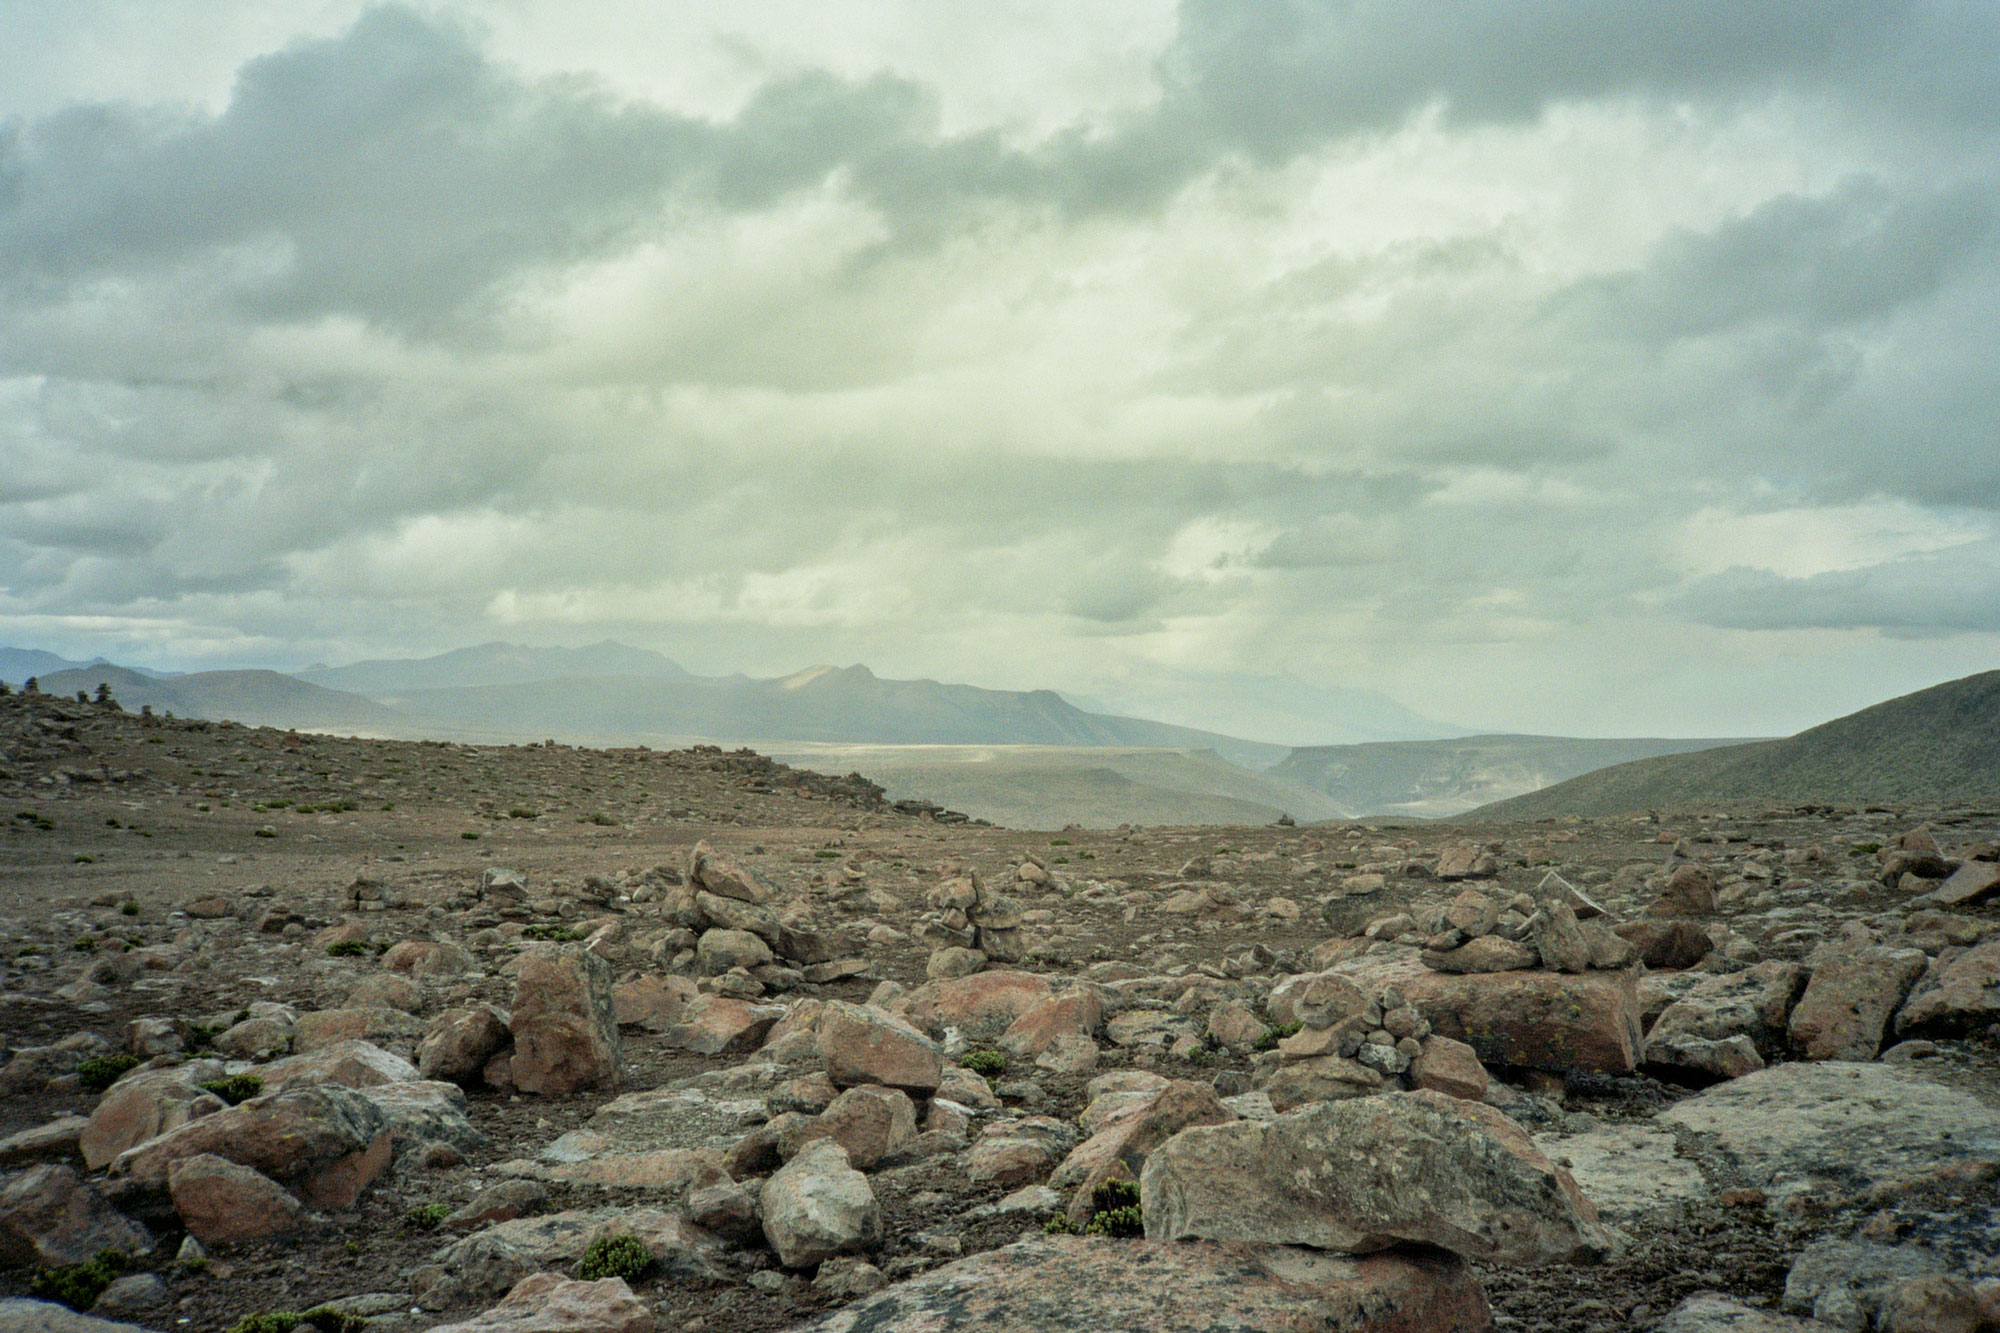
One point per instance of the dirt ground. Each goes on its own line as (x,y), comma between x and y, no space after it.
(111,826)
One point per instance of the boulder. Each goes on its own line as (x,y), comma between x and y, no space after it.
(352,1064)
(869,1122)
(223,1203)
(1073,1013)
(711,872)
(1363,1175)
(1450,1067)
(1690,891)
(1087,1284)
(552,1303)
(461,1042)
(817,1206)
(1955,997)
(1558,937)
(489,1262)
(1666,946)
(1973,882)
(1466,860)
(1538,1020)
(25,1316)
(863,1044)
(1846,1008)
(654,1002)
(719,950)
(145,1104)
(1488,953)
(1014,1153)
(323,1141)
(1119,1150)
(565,1036)
(51,1216)
(720,1025)
(378,1024)
(1838,1126)
(1707,1029)
(1708,1312)
(980,1007)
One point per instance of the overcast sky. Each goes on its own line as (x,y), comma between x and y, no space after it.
(1584,367)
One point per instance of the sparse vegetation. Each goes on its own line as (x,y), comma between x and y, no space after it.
(101,1071)
(347,949)
(1273,1035)
(323,1319)
(599,818)
(986,1062)
(235,1088)
(550,932)
(1115,1213)
(78,1285)
(615,1256)
(427,1216)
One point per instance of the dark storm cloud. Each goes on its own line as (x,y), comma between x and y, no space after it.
(1950,592)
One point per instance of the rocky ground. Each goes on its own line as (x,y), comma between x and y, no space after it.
(826,1060)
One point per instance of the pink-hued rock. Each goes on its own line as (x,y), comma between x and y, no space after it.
(817,1205)
(1539,1020)
(1087,1284)
(1973,882)
(325,1142)
(1073,1013)
(460,1042)
(565,1037)
(223,1203)
(871,1123)
(145,1104)
(1846,1009)
(1957,996)
(51,1216)
(982,1006)
(1120,1149)
(352,1064)
(1690,891)
(654,1002)
(711,872)
(1450,1067)
(863,1044)
(379,1024)
(553,1303)
(719,1025)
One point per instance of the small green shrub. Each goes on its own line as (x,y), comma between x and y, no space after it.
(599,818)
(78,1285)
(544,930)
(101,1071)
(615,1256)
(469,836)
(1273,1035)
(264,833)
(347,949)
(1059,1225)
(984,1062)
(427,1216)
(235,1088)
(199,1036)
(826,854)
(84,944)
(1867,848)
(84,860)
(1200,1055)
(129,908)
(523,812)
(1118,1223)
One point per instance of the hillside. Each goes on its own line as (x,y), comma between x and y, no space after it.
(1448,777)
(1051,787)
(1936,745)
(491,664)
(254,698)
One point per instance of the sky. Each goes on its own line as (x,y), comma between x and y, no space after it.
(1584,368)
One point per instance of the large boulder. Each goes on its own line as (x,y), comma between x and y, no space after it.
(817,1206)
(1359,1176)
(1119,1150)
(223,1203)
(1854,992)
(1956,996)
(1727,1024)
(863,1044)
(552,1303)
(489,1262)
(461,1042)
(145,1104)
(1839,1127)
(323,1141)
(565,1034)
(1539,1020)
(1084,1284)
(980,1007)
(51,1216)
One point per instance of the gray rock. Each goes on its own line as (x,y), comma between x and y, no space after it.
(49,1215)
(1837,1125)
(1358,1176)
(1710,1313)
(1629,1171)
(817,1206)
(1085,1284)
(24,1316)
(1835,1280)
(487,1263)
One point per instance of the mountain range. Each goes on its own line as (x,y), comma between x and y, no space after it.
(1035,759)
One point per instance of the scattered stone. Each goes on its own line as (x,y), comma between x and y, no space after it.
(222,1203)
(862,1044)
(1846,1008)
(552,1303)
(565,1036)
(817,1206)
(51,1216)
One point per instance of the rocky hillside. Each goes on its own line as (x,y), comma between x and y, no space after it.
(1434,779)
(1936,745)
(301,1030)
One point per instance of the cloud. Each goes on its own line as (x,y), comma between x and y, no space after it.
(1924,596)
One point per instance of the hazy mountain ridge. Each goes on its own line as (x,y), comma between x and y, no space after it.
(1940,744)
(495,663)
(1435,779)
(253,697)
